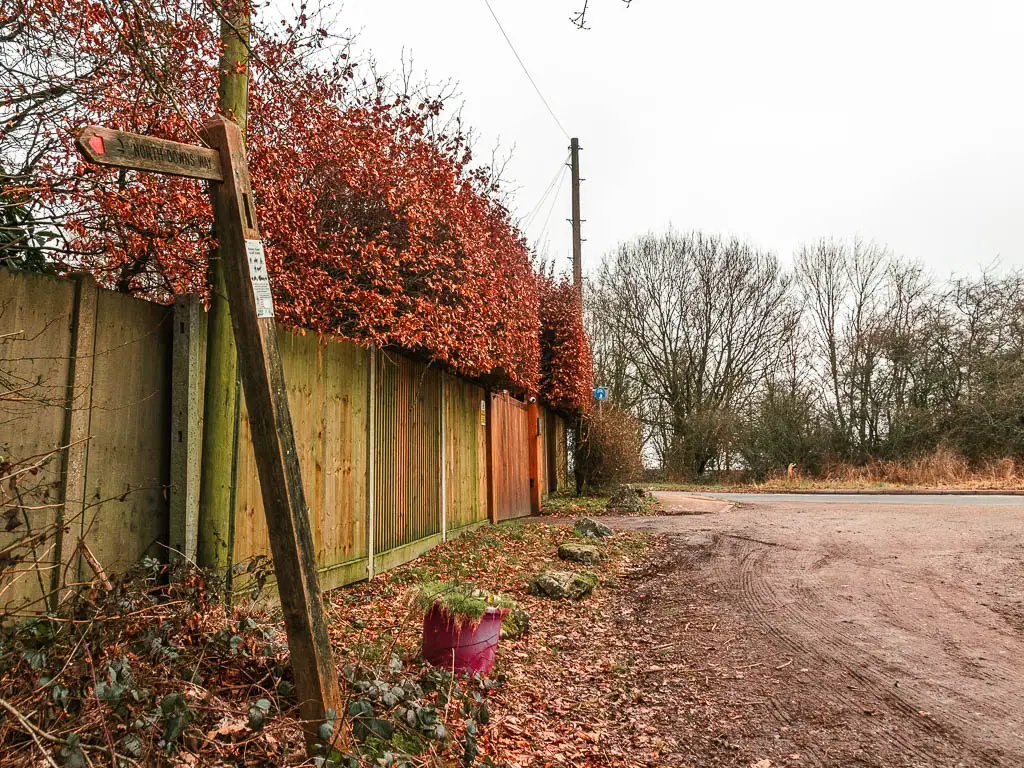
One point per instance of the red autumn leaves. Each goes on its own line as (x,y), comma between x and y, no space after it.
(567,373)
(376,226)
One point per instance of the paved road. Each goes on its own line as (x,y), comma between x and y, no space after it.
(903,617)
(902,500)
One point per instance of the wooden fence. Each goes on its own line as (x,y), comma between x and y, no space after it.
(106,391)
(511,451)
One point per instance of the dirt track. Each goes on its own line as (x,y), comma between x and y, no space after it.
(881,632)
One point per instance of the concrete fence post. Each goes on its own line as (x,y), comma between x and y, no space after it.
(492,489)
(185,442)
(78,413)
(443,463)
(371,456)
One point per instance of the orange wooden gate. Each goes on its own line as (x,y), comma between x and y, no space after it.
(510,469)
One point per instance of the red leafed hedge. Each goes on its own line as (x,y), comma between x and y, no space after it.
(376,226)
(567,372)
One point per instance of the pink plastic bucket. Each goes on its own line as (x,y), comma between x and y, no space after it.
(466,649)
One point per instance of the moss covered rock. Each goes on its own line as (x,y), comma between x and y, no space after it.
(592,529)
(580,553)
(515,624)
(564,584)
(625,501)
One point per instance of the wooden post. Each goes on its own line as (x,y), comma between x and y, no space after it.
(533,443)
(219,427)
(185,367)
(277,462)
(577,270)
(577,238)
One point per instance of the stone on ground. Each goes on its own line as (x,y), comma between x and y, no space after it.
(592,529)
(580,553)
(515,624)
(564,584)
(625,502)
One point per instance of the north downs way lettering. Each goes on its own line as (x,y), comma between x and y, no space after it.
(119,149)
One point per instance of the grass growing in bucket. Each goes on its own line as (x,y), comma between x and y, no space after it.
(463,603)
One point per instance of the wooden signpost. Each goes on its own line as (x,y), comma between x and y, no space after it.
(223,164)
(105,146)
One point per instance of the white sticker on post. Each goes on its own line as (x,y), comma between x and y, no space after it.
(260,279)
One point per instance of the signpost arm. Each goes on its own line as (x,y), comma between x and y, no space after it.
(277,462)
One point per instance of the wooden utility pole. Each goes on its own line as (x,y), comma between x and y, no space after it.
(220,393)
(577,274)
(577,239)
(247,288)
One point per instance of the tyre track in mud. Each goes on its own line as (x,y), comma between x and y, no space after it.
(896,658)
(799,626)
(819,636)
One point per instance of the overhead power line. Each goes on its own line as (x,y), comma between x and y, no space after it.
(551,210)
(528,220)
(525,70)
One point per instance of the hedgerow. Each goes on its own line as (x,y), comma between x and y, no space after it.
(567,371)
(377,225)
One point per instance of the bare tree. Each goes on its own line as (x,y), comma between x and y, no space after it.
(580,17)
(858,356)
(699,322)
(863,308)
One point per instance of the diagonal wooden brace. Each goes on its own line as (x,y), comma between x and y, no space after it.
(259,362)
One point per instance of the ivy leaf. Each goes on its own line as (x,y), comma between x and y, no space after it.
(258,714)
(176,715)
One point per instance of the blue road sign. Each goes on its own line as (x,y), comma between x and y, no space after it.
(600,394)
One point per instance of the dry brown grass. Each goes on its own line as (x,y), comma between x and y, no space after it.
(941,469)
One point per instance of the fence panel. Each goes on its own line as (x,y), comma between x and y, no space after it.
(407,487)
(85,378)
(465,454)
(35,398)
(511,468)
(128,466)
(326,382)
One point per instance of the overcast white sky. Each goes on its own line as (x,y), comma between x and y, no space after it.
(899,120)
